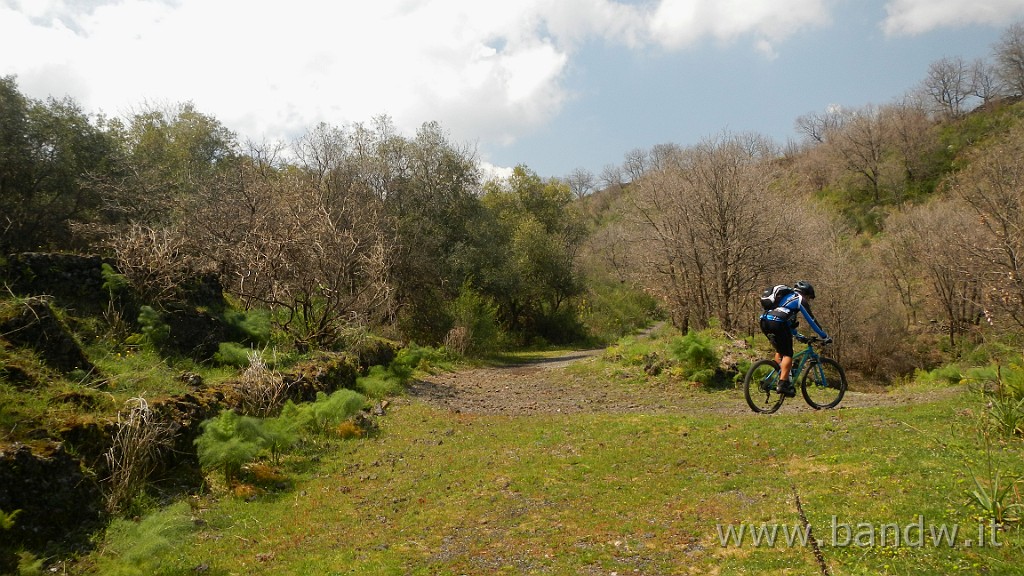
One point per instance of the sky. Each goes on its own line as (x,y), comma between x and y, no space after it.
(555,85)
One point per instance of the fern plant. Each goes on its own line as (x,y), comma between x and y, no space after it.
(697,356)
(7,519)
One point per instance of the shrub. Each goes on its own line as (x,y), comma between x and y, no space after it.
(230,441)
(612,310)
(114,283)
(697,356)
(1012,382)
(631,351)
(143,544)
(252,326)
(562,326)
(282,432)
(327,412)
(414,357)
(153,326)
(7,519)
(259,389)
(948,374)
(232,354)
(476,323)
(380,381)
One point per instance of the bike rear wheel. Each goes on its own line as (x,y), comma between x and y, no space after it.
(823,384)
(760,387)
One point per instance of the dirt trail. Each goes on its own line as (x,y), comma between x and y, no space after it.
(548,387)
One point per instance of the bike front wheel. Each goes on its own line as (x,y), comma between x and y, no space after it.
(823,384)
(760,387)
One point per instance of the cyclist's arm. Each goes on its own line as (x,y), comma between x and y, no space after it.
(812,323)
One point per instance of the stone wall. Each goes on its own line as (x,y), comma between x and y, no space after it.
(60,504)
(75,282)
(33,324)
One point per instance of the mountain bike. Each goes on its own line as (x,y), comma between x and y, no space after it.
(821,380)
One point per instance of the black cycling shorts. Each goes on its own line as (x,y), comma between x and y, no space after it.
(779,335)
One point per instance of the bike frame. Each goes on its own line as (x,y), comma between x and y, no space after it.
(802,359)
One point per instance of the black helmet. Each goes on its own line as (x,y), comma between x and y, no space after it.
(805,289)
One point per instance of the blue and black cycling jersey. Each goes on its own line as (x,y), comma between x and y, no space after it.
(786,312)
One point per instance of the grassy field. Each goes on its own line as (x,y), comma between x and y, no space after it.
(680,491)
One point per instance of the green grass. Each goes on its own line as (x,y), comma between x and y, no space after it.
(435,492)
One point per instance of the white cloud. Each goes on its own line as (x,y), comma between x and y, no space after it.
(487,70)
(910,17)
(678,23)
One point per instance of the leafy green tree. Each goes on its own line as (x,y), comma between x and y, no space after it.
(165,156)
(49,153)
(539,234)
(434,206)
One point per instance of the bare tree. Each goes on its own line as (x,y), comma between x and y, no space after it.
(910,136)
(816,126)
(859,141)
(949,84)
(305,240)
(612,177)
(155,260)
(985,81)
(705,218)
(581,182)
(990,187)
(920,258)
(1009,55)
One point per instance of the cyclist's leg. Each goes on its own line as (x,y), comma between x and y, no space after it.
(781,337)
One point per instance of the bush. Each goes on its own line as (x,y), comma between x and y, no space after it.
(697,356)
(948,374)
(252,326)
(631,351)
(475,318)
(327,412)
(232,354)
(259,389)
(1012,382)
(612,310)
(230,441)
(560,327)
(381,381)
(137,441)
(115,284)
(282,432)
(414,357)
(153,327)
(142,545)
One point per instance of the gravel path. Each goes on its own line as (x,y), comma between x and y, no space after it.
(549,387)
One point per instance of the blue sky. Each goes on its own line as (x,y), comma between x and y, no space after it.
(552,84)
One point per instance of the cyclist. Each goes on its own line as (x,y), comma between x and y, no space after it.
(779,325)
